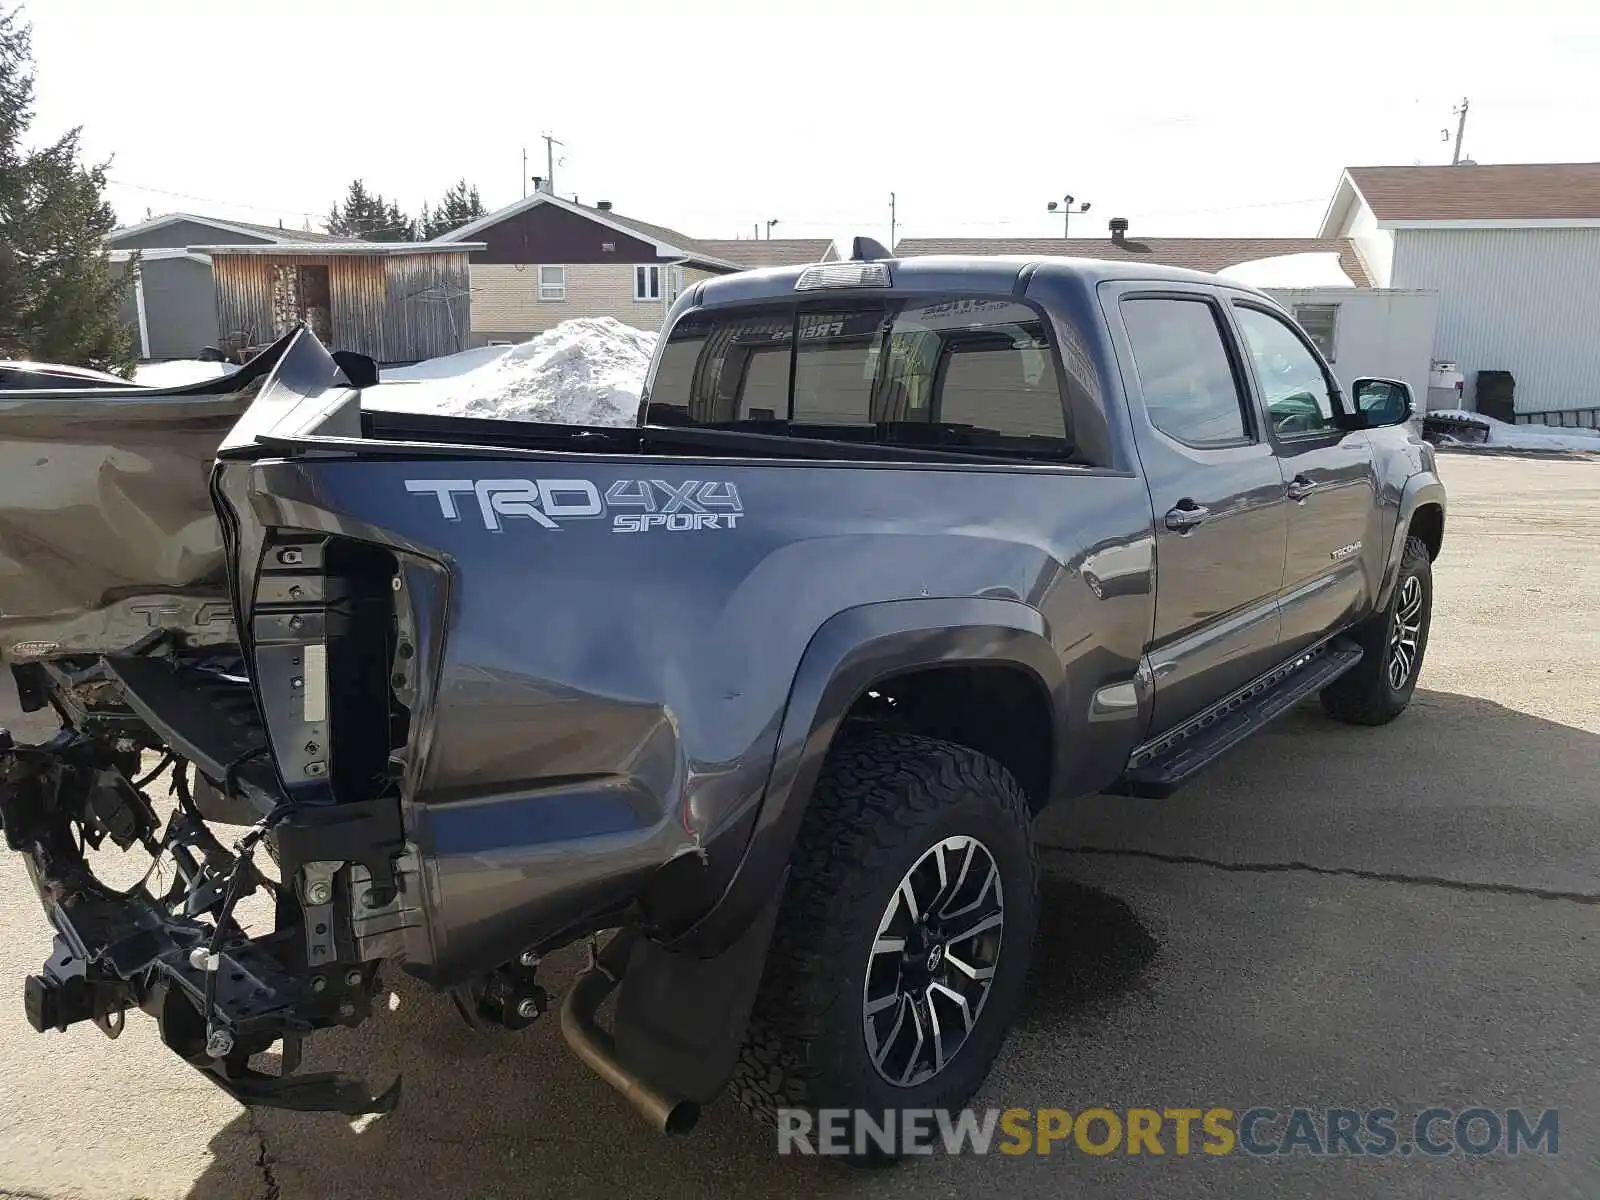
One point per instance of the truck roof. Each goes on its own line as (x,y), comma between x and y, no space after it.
(980,273)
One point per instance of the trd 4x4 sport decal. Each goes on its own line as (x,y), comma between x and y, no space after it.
(649,504)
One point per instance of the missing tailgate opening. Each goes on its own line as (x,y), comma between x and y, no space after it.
(369,720)
(327,639)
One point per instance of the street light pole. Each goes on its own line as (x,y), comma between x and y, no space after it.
(1066,210)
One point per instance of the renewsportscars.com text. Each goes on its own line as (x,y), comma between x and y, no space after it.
(1432,1132)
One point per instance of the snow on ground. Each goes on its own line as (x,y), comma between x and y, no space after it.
(1528,437)
(1318,268)
(588,371)
(179,372)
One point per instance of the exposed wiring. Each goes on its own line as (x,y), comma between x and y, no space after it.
(158,851)
(155,771)
(180,789)
(156,855)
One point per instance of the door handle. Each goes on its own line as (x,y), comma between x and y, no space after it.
(1187,515)
(1300,487)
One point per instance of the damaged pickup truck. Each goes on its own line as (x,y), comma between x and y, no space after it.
(758,698)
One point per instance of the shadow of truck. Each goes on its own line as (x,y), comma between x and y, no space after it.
(496,1116)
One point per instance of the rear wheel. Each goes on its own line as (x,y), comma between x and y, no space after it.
(1378,689)
(903,935)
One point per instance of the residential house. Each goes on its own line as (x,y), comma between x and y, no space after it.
(172,304)
(1514,253)
(546,259)
(397,302)
(751,253)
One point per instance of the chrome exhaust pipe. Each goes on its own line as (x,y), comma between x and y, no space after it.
(666,1113)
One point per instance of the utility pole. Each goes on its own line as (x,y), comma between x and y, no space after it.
(524,172)
(891,221)
(1461,127)
(550,145)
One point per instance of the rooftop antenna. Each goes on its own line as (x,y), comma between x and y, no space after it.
(550,145)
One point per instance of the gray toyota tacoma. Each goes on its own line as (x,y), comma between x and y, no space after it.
(757,698)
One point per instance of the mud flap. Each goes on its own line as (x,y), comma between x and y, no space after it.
(681,1020)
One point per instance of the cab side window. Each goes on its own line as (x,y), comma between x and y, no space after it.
(1190,391)
(1290,377)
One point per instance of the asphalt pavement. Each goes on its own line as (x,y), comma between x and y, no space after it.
(1343,918)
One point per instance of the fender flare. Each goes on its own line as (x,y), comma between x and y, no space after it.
(850,652)
(1421,489)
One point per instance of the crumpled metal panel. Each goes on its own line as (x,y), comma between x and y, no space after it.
(106,525)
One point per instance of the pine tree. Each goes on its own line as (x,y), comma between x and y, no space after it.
(396,226)
(60,299)
(460,206)
(368,217)
(349,219)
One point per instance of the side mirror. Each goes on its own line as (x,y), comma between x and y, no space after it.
(1383,402)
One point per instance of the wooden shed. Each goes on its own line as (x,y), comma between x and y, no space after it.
(395,301)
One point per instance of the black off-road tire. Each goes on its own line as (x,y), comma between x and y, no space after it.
(883,800)
(1367,695)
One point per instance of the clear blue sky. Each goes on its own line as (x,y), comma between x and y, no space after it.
(1227,118)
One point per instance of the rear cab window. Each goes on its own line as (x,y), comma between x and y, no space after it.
(972,375)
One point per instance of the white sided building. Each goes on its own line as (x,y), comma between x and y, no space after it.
(1513,252)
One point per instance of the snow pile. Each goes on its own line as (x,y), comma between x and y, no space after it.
(1528,437)
(1318,268)
(448,367)
(179,372)
(588,371)
(584,372)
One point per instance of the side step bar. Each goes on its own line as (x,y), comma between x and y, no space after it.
(1159,767)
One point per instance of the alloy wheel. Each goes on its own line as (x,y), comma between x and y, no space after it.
(1406,629)
(932,961)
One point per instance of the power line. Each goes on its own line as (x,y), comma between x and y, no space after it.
(139,187)
(360,222)
(863,218)
(1185,212)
